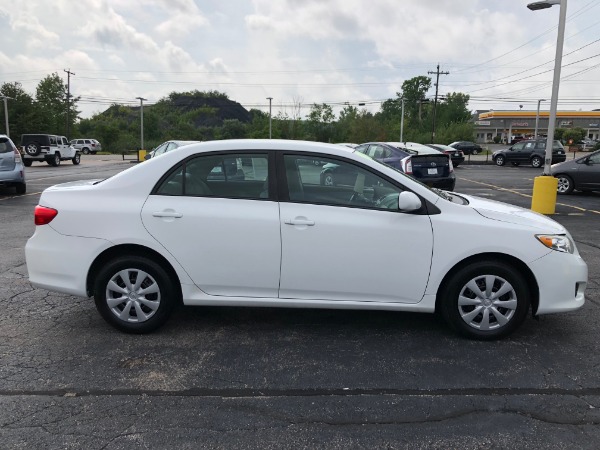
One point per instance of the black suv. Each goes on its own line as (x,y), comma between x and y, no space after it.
(531,151)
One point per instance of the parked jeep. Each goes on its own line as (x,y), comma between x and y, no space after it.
(47,147)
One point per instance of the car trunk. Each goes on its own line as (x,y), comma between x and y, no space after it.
(430,166)
(7,161)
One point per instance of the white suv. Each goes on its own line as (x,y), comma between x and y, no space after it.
(87,146)
(47,147)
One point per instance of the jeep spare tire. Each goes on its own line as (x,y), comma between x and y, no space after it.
(32,149)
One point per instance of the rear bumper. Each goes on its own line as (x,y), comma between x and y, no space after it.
(53,265)
(14,176)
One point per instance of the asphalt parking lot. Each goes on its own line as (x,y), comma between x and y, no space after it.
(276,378)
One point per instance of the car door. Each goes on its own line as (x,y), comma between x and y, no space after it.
(515,153)
(224,232)
(349,243)
(588,174)
(66,150)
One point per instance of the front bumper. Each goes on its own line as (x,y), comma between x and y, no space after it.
(562,279)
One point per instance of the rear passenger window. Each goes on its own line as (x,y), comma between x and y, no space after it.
(228,176)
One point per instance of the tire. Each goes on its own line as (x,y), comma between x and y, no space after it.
(328,179)
(537,162)
(155,306)
(459,303)
(475,151)
(21,188)
(76,159)
(27,162)
(85,150)
(516,164)
(565,184)
(33,149)
(500,160)
(54,160)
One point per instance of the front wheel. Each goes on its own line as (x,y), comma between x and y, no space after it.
(134,294)
(86,151)
(500,161)
(536,161)
(76,159)
(565,184)
(485,300)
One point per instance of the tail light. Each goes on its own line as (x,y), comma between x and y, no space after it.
(17,156)
(407,166)
(451,165)
(43,215)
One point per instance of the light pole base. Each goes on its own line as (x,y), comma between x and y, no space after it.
(544,194)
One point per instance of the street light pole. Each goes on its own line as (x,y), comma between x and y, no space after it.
(142,120)
(544,187)
(270,99)
(5,98)
(537,119)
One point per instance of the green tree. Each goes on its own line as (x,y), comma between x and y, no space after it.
(51,98)
(22,116)
(319,121)
(414,91)
(574,135)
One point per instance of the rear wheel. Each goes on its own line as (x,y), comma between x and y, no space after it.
(476,151)
(537,161)
(21,188)
(565,184)
(55,160)
(500,161)
(134,294)
(485,300)
(76,159)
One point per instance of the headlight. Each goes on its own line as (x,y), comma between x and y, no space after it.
(558,242)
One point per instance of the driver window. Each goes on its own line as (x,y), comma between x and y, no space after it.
(337,183)
(518,146)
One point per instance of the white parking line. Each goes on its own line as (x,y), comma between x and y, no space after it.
(23,195)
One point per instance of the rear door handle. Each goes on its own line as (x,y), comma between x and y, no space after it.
(306,222)
(172,214)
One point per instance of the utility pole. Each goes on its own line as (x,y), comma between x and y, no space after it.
(270,100)
(402,121)
(69,73)
(4,97)
(437,82)
(142,120)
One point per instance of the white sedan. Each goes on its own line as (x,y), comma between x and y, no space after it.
(248,223)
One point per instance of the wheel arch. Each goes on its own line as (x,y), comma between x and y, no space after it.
(499,257)
(134,250)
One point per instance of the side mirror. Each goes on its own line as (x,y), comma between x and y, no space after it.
(147,156)
(408,201)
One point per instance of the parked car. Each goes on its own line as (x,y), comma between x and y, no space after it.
(387,242)
(468,148)
(167,147)
(48,147)
(348,144)
(87,146)
(12,172)
(529,152)
(457,156)
(427,165)
(581,174)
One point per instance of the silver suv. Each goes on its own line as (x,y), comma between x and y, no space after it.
(87,146)
(11,165)
(47,147)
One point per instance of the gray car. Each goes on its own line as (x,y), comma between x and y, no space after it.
(12,171)
(581,174)
(167,147)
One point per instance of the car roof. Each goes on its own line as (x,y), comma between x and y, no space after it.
(415,147)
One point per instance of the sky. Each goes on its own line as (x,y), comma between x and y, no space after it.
(300,52)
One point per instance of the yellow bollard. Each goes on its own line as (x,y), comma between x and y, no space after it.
(141,155)
(544,194)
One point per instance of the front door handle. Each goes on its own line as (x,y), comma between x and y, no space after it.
(172,214)
(299,221)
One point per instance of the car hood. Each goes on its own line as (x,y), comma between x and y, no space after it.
(504,212)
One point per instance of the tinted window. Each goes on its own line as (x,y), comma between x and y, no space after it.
(5,146)
(518,146)
(337,183)
(229,176)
